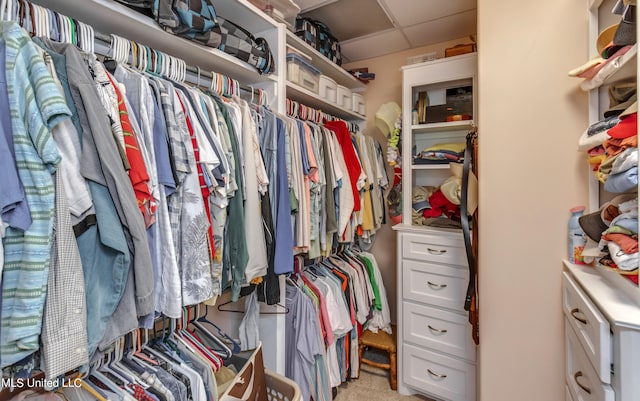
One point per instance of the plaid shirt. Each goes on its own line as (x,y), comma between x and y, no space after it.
(64,324)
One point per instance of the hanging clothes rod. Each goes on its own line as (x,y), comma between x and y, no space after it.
(104,45)
(304,112)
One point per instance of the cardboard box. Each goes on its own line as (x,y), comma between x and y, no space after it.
(460,49)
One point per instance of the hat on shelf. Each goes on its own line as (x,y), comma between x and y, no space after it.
(626,32)
(621,96)
(605,48)
(594,224)
(386,117)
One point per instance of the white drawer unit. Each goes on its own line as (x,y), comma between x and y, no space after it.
(439,374)
(436,352)
(441,330)
(602,333)
(582,379)
(430,283)
(592,328)
(435,248)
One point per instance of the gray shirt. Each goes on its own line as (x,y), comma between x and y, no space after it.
(101,162)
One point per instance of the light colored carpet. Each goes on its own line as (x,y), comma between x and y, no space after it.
(373,385)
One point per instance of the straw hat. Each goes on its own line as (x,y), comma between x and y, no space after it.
(386,117)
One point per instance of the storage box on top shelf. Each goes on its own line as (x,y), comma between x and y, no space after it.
(344,97)
(357,103)
(328,89)
(302,72)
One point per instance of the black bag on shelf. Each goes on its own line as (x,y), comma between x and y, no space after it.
(240,43)
(318,35)
(192,19)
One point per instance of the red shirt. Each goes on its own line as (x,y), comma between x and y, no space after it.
(351,159)
(138,174)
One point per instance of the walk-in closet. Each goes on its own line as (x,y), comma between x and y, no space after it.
(318,200)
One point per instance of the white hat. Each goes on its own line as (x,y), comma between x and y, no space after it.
(386,117)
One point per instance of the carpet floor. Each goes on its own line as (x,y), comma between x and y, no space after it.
(373,385)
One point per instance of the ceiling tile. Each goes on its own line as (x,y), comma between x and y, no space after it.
(306,5)
(339,17)
(442,30)
(375,45)
(410,12)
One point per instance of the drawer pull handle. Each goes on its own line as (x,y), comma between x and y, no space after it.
(582,386)
(436,330)
(436,251)
(580,319)
(434,285)
(436,374)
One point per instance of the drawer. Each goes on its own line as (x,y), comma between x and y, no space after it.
(437,329)
(434,284)
(445,248)
(591,327)
(582,379)
(439,375)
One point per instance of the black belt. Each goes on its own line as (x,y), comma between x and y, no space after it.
(464,220)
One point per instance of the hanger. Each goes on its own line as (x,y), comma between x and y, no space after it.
(96,374)
(136,347)
(108,366)
(283,310)
(203,319)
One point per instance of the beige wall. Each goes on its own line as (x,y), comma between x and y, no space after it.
(387,87)
(530,117)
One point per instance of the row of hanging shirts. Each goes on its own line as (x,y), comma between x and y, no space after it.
(151,62)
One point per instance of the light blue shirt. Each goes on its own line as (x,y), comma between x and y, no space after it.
(36,106)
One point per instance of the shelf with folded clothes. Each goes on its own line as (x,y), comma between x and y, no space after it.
(111,17)
(610,143)
(442,126)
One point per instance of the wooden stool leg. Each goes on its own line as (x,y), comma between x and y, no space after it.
(361,349)
(393,375)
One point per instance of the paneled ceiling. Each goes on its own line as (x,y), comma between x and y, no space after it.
(372,28)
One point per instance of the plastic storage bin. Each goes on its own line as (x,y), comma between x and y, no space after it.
(328,89)
(303,73)
(280,388)
(344,99)
(357,103)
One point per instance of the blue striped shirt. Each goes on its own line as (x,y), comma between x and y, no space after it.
(36,106)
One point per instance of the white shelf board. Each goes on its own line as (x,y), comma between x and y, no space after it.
(430,166)
(328,67)
(308,98)
(110,17)
(615,304)
(626,70)
(413,228)
(253,19)
(444,126)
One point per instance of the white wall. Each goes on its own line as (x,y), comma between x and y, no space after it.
(530,117)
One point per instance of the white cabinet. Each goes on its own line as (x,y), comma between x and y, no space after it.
(438,81)
(602,337)
(601,307)
(436,352)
